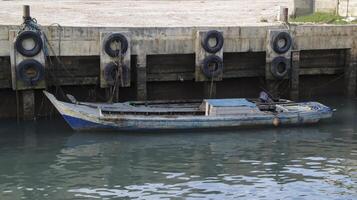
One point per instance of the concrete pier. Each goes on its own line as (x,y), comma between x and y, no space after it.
(163,36)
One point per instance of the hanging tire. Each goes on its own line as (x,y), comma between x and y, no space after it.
(116,37)
(282,36)
(215,62)
(35,36)
(213,34)
(280,67)
(110,73)
(30,72)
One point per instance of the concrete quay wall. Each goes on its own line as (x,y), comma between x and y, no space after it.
(84,41)
(163,63)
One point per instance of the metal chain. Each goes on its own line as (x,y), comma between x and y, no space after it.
(211,88)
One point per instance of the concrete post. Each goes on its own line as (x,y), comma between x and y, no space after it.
(26,12)
(283,15)
(28,104)
(295,68)
(141,90)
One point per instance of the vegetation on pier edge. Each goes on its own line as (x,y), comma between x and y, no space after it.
(322,18)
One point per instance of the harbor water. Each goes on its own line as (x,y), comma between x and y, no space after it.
(47,160)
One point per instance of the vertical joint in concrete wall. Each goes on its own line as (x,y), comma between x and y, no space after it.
(350,74)
(295,68)
(141,90)
(28,104)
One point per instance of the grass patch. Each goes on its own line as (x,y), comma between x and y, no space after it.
(322,18)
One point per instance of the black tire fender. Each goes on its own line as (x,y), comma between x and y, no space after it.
(212,59)
(24,66)
(280,67)
(287,42)
(110,72)
(219,41)
(116,37)
(27,35)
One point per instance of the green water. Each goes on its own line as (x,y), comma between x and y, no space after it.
(46,160)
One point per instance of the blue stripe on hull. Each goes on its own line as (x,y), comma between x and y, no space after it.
(80,124)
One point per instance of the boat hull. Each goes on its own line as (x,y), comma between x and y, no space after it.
(139,124)
(81,117)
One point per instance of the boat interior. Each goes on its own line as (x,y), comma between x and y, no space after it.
(206,107)
(188,107)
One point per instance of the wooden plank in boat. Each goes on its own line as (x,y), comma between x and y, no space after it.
(219,111)
(149,110)
(215,107)
(235,111)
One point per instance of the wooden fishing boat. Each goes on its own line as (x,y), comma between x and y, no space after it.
(209,113)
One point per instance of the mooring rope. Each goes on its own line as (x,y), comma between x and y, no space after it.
(59,61)
(115,89)
(32,25)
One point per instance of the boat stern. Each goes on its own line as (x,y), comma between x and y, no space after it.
(324,111)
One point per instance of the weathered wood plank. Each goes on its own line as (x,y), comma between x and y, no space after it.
(172,63)
(325,58)
(74,66)
(74,81)
(244,64)
(171,77)
(6,83)
(170,90)
(5,68)
(170,67)
(180,67)
(244,60)
(243,73)
(321,71)
(191,76)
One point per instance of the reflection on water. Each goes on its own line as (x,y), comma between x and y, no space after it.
(48,160)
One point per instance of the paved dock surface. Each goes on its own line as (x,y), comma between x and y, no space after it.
(148,13)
